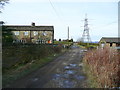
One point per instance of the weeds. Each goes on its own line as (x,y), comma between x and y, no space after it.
(104,66)
(21,60)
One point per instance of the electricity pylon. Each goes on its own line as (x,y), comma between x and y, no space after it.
(86,35)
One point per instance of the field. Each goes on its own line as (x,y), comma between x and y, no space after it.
(102,67)
(63,42)
(88,45)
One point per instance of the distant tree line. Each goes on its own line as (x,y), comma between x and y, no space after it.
(7,36)
(71,40)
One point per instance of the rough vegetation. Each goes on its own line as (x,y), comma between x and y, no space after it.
(103,68)
(19,60)
(3,3)
(16,55)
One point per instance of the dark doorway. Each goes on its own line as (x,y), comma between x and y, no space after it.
(110,44)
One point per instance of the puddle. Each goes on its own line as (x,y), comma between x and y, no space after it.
(71,72)
(73,65)
(70,66)
(35,79)
(66,80)
(68,84)
(60,76)
(57,76)
(67,67)
(66,76)
(79,77)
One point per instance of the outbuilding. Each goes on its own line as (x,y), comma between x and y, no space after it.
(109,42)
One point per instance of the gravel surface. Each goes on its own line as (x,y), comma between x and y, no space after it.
(64,72)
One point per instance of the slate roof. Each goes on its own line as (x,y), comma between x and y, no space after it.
(23,27)
(111,39)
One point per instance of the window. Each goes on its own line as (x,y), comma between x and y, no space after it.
(35,33)
(26,33)
(16,33)
(102,45)
(44,34)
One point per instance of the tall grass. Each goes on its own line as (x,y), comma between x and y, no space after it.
(16,55)
(20,60)
(103,67)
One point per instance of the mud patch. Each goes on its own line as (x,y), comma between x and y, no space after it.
(68,77)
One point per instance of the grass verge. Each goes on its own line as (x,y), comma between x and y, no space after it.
(91,80)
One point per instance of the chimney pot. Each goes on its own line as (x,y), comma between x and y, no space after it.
(33,24)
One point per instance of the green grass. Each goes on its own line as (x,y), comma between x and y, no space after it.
(90,45)
(81,46)
(14,74)
(91,80)
(62,42)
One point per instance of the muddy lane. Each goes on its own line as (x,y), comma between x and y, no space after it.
(64,72)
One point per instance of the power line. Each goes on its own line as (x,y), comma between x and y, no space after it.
(58,16)
(54,9)
(56,12)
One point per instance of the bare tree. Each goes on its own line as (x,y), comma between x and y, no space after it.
(2,3)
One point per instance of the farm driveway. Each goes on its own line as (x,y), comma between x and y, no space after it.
(64,72)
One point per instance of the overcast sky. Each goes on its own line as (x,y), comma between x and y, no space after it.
(102,16)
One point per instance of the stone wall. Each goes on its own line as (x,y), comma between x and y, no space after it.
(33,36)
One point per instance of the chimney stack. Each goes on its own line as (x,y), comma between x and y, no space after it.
(33,24)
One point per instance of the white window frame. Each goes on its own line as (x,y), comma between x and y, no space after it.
(35,33)
(16,32)
(44,34)
(26,33)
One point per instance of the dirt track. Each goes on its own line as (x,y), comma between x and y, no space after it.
(64,72)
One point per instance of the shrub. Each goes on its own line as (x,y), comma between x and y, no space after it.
(104,66)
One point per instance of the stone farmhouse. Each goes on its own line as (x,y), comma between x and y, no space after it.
(31,33)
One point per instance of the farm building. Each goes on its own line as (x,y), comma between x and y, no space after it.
(31,33)
(109,42)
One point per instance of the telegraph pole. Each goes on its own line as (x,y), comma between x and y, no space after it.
(68,33)
(68,36)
